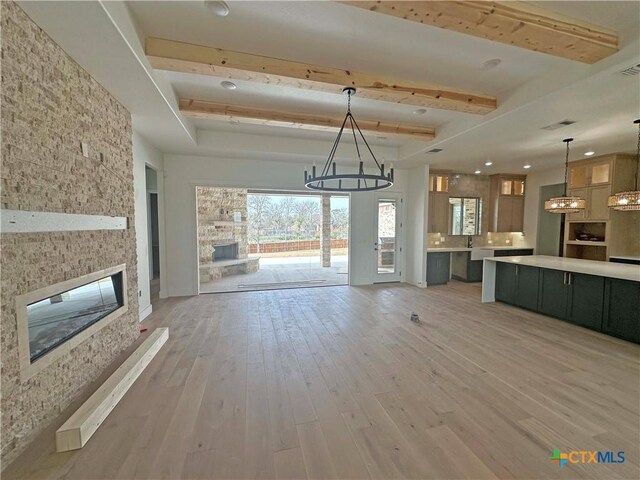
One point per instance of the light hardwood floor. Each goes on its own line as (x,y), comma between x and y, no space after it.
(338,383)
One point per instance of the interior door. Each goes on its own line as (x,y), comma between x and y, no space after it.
(387,243)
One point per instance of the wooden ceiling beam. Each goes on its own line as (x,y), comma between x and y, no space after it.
(188,58)
(511,22)
(257,116)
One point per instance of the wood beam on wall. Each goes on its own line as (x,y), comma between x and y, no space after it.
(188,58)
(511,22)
(257,116)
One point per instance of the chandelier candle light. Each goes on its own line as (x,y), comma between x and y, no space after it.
(330,180)
(628,201)
(565,204)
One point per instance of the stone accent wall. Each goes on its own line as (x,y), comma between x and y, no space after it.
(217,208)
(49,105)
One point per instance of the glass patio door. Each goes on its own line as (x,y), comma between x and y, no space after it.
(387,244)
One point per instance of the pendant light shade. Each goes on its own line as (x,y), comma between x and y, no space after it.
(330,180)
(630,200)
(565,204)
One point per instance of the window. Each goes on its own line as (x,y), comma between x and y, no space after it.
(54,320)
(465,215)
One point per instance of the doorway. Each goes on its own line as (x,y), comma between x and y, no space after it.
(550,225)
(263,240)
(388,227)
(153,232)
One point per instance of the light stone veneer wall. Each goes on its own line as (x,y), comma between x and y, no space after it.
(216,207)
(49,105)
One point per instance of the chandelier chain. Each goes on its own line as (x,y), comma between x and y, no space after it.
(566,167)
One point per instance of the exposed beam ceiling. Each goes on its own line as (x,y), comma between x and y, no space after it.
(513,23)
(188,58)
(257,116)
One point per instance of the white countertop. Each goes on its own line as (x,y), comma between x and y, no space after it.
(623,257)
(588,267)
(467,249)
(505,248)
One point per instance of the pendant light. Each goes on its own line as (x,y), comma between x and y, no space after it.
(628,201)
(565,204)
(329,180)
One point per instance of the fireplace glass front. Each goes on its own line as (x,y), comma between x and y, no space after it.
(54,320)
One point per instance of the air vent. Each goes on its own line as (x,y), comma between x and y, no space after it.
(631,71)
(434,150)
(555,126)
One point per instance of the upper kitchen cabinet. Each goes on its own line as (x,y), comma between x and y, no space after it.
(506,208)
(595,171)
(438,221)
(439,182)
(597,232)
(592,180)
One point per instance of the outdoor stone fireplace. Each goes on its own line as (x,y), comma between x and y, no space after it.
(222,233)
(224,251)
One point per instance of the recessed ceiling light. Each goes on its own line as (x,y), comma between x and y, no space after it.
(588,154)
(477,172)
(490,64)
(488,164)
(527,166)
(220,9)
(420,111)
(228,85)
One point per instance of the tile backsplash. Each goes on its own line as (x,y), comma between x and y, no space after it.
(489,239)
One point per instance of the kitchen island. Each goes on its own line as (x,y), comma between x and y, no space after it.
(597,295)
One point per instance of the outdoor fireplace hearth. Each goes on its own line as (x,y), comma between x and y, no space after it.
(224,251)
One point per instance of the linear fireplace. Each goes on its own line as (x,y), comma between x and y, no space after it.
(224,251)
(54,319)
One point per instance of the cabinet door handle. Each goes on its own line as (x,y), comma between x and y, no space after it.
(564,278)
(569,279)
(517,269)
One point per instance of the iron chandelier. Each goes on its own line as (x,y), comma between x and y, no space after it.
(565,204)
(628,201)
(330,180)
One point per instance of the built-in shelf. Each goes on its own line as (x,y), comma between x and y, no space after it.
(586,242)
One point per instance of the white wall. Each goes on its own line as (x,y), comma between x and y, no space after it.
(144,154)
(183,173)
(416,231)
(536,180)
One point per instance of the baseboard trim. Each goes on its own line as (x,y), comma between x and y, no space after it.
(144,313)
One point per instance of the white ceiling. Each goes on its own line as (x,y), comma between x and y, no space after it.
(533,89)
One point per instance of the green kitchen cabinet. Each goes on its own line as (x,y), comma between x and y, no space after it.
(574,297)
(585,300)
(553,293)
(621,316)
(527,279)
(517,285)
(505,282)
(438,268)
